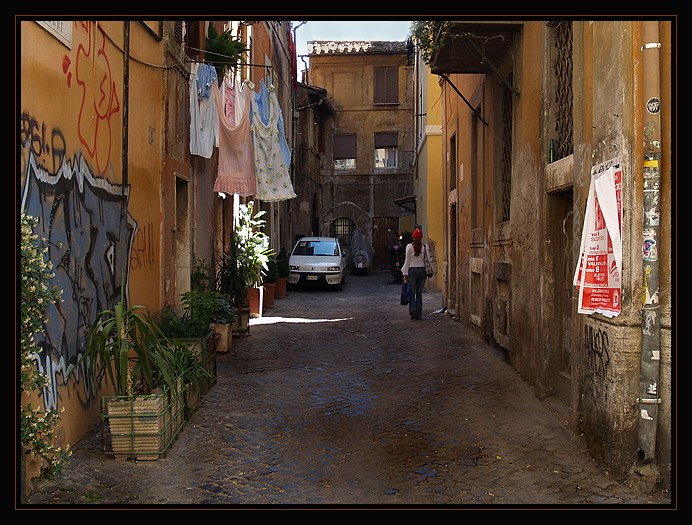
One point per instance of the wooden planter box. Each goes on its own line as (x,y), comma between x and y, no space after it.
(142,427)
(224,339)
(193,399)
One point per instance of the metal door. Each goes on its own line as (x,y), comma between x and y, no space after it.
(385,232)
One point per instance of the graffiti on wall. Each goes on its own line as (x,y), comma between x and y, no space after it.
(34,137)
(83,217)
(142,253)
(596,364)
(99,97)
(88,231)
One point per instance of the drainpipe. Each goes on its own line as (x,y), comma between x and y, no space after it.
(649,398)
(125,154)
(294,126)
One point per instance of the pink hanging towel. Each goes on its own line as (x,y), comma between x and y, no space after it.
(236,154)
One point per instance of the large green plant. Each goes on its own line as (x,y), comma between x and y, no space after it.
(252,244)
(222,50)
(37,426)
(126,346)
(230,280)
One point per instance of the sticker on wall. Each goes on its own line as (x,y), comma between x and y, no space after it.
(653,105)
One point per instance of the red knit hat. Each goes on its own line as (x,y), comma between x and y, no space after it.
(417,233)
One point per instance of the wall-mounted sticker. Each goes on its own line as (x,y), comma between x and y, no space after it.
(653,105)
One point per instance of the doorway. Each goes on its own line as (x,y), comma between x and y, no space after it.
(182,254)
(385,233)
(562,249)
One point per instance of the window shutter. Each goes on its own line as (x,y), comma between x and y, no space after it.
(178,32)
(386,140)
(344,147)
(392,85)
(380,85)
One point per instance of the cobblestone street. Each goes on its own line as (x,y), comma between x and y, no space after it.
(339,398)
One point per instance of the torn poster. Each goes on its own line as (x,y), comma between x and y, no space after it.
(598,273)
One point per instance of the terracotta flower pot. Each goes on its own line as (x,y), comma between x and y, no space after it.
(256,298)
(269,289)
(280,288)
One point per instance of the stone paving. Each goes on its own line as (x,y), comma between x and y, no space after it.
(338,399)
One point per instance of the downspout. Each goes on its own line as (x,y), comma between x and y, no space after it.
(126,92)
(125,154)
(294,128)
(649,398)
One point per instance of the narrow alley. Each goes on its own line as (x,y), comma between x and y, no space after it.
(337,398)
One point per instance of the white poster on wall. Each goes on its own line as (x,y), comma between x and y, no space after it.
(599,270)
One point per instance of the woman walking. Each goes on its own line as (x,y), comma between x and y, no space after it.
(415,273)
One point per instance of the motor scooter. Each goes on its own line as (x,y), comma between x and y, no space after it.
(396,260)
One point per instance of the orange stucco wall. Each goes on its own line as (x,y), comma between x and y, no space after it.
(104,236)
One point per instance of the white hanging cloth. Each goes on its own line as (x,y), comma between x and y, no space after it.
(271,166)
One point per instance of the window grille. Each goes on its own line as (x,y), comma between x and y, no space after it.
(563,66)
(342,228)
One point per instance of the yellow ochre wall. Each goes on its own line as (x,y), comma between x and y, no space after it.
(103,237)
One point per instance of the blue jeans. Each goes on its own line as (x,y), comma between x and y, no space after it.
(416,278)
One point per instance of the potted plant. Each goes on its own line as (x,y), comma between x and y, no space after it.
(192,326)
(232,283)
(126,348)
(282,272)
(194,376)
(270,278)
(222,319)
(252,252)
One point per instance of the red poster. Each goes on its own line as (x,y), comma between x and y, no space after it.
(598,274)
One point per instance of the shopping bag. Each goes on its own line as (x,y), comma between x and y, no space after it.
(405,293)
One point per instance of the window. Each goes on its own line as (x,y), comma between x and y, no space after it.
(386,146)
(386,85)
(317,248)
(345,151)
(342,228)
(561,113)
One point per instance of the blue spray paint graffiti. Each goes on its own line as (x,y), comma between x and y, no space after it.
(89,232)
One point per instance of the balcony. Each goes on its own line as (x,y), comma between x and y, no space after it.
(472,46)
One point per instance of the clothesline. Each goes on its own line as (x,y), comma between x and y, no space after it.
(231,62)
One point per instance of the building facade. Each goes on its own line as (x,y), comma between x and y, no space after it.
(314,124)
(369,155)
(428,174)
(538,114)
(90,171)
(125,204)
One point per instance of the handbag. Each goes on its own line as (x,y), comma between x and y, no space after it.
(428,266)
(405,293)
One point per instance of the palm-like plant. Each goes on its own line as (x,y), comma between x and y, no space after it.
(126,346)
(252,245)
